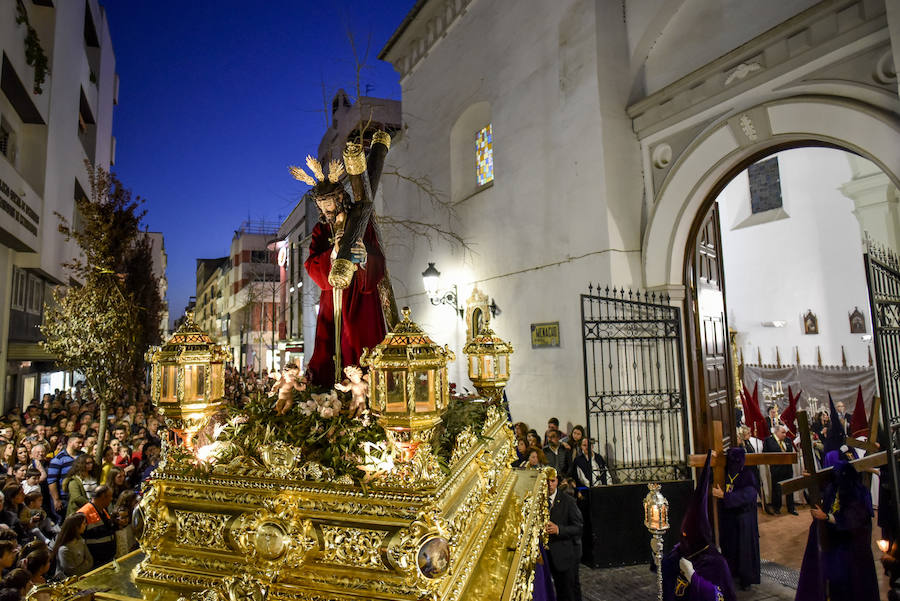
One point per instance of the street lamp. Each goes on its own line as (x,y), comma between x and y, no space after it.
(431,279)
(656,519)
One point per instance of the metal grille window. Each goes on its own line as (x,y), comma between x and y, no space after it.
(35,295)
(5,135)
(634,384)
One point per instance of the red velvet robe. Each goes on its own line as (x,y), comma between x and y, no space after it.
(362,321)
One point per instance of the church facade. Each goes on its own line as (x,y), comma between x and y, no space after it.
(581,143)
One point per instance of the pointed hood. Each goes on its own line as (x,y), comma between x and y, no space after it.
(859,422)
(696,531)
(735,458)
(789,415)
(753,414)
(836,434)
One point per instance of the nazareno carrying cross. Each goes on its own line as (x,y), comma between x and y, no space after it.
(346,259)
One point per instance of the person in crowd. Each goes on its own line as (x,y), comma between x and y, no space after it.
(9,553)
(520,430)
(149,461)
(590,472)
(738,528)
(73,558)
(564,540)
(555,453)
(116,481)
(32,481)
(46,528)
(38,563)
(125,538)
(552,426)
(100,533)
(521,453)
(13,502)
(573,446)
(779,443)
(772,418)
(533,439)
(18,579)
(536,459)
(59,467)
(694,570)
(109,456)
(73,483)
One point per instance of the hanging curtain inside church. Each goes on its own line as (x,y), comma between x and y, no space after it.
(816,382)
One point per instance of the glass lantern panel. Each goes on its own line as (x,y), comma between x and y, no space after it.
(473,366)
(503,366)
(194,382)
(425,391)
(167,394)
(488,367)
(396,391)
(217,380)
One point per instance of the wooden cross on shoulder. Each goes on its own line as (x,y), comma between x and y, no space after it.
(814,482)
(717,463)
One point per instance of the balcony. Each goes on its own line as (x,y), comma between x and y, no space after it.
(20,210)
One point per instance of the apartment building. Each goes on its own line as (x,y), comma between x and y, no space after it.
(240,297)
(160,262)
(55,114)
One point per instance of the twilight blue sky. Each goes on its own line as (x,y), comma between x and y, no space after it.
(217,97)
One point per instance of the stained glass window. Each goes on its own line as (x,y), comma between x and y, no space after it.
(484,155)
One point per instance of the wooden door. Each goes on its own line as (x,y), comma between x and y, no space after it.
(710,357)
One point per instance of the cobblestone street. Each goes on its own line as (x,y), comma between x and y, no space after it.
(638,583)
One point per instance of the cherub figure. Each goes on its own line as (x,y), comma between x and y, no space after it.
(289,381)
(357,385)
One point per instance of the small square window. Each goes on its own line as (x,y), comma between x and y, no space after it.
(765,185)
(484,155)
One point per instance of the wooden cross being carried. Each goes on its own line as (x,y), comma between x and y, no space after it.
(717,463)
(813,482)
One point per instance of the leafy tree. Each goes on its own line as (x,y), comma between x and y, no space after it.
(102,325)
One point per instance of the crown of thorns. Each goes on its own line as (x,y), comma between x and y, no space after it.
(335,171)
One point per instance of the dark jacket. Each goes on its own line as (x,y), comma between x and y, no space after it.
(582,465)
(558,459)
(565,547)
(779,472)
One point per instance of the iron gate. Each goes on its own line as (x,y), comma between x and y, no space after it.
(634,383)
(883,278)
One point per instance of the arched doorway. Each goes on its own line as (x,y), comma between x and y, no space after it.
(684,199)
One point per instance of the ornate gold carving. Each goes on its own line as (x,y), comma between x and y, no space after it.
(354,159)
(382,137)
(465,440)
(199,529)
(279,458)
(341,274)
(277,534)
(352,547)
(423,471)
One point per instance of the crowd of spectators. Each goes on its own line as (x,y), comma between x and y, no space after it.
(571,453)
(61,513)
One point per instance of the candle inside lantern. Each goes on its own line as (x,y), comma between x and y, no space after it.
(883,545)
(654,517)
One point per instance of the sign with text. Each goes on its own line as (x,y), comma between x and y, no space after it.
(545,335)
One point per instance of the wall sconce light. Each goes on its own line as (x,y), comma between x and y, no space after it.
(439,294)
(495,310)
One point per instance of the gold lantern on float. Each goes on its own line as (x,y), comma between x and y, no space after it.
(488,358)
(409,386)
(188,379)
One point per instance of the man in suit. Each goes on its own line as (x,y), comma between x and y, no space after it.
(564,530)
(779,443)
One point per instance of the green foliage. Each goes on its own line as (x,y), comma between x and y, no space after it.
(92,328)
(335,442)
(34,52)
(462,412)
(103,326)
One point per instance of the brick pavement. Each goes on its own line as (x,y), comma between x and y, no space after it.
(637,583)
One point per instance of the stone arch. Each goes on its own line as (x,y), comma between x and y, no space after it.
(725,147)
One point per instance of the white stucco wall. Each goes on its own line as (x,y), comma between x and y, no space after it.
(563,154)
(777,271)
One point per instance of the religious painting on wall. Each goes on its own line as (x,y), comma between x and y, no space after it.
(810,323)
(857,322)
